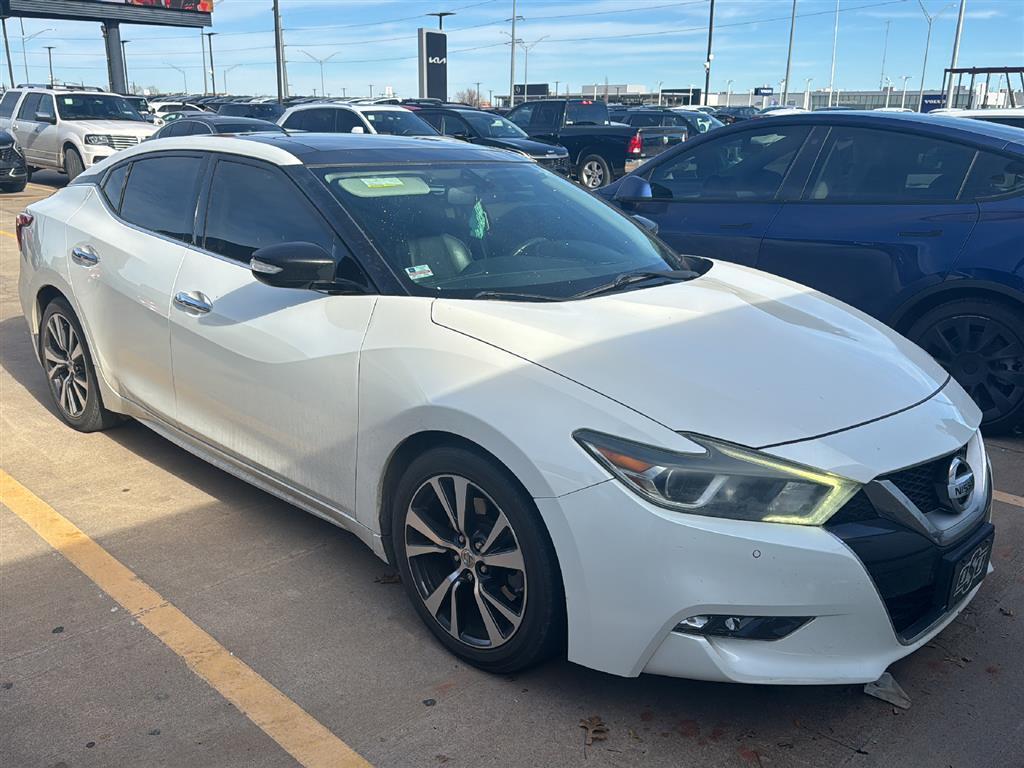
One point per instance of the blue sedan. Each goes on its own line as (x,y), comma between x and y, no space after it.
(917,220)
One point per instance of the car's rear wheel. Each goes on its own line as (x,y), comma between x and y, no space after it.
(73,164)
(69,370)
(981,343)
(594,172)
(476,561)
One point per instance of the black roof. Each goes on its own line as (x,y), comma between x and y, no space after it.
(365,148)
(211,118)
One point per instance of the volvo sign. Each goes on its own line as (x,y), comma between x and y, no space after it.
(433,64)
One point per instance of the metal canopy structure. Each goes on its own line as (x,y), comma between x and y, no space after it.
(974,73)
(110,14)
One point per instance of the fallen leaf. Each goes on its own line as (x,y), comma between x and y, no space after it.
(595,730)
(1006,611)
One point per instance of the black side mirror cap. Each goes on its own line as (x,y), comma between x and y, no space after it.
(633,188)
(300,265)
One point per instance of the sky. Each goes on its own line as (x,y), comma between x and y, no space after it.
(643,42)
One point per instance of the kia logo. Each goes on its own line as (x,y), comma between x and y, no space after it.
(437,60)
(959,484)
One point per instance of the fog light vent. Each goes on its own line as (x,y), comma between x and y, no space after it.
(744,627)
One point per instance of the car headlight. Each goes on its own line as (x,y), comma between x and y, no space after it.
(98,138)
(723,481)
(17,148)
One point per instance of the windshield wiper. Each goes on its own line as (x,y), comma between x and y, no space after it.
(513,296)
(628,278)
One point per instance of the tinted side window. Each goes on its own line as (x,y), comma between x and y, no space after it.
(29,107)
(7,103)
(521,115)
(113,184)
(747,166)
(161,195)
(345,121)
(546,116)
(456,126)
(863,165)
(313,120)
(177,128)
(644,121)
(1016,122)
(252,207)
(993,176)
(436,119)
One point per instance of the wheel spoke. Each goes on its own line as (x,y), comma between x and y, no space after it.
(417,523)
(461,485)
(453,619)
(511,559)
(511,616)
(76,348)
(434,600)
(446,504)
(415,550)
(945,350)
(493,633)
(51,356)
(81,392)
(499,525)
(65,395)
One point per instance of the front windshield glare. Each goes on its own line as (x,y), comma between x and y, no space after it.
(460,229)
(398,123)
(98,107)
(494,126)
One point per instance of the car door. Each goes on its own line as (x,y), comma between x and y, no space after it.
(125,250)
(717,198)
(267,374)
(878,219)
(7,105)
(47,147)
(25,128)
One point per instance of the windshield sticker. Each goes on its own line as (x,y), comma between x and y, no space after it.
(419,272)
(392,181)
(68,100)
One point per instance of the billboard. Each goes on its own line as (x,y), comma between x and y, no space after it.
(433,59)
(532,89)
(184,13)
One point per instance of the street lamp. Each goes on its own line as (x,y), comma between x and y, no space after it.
(807,93)
(184,77)
(440,17)
(371,90)
(660,83)
(321,62)
(903,101)
(224,74)
(213,72)
(927,44)
(728,92)
(124,64)
(512,57)
(888,90)
(527,47)
(49,56)
(24,39)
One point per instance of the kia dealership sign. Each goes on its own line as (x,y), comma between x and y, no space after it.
(433,56)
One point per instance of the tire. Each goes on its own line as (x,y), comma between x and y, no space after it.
(75,392)
(29,170)
(980,341)
(73,164)
(15,188)
(593,171)
(525,605)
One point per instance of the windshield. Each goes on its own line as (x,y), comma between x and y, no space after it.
(137,103)
(493,126)
(459,229)
(704,121)
(398,122)
(80,106)
(261,111)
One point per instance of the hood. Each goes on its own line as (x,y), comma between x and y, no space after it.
(735,354)
(532,147)
(117,127)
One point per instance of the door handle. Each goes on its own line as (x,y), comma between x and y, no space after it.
(194,302)
(925,233)
(745,225)
(85,256)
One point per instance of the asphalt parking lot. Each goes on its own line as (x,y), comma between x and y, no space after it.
(249,633)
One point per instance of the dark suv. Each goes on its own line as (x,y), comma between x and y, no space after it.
(13,173)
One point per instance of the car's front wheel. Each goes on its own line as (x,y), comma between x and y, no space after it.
(594,172)
(69,370)
(73,164)
(980,341)
(476,561)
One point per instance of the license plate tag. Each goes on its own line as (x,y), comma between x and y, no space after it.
(970,571)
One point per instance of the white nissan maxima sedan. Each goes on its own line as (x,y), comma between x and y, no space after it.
(566,438)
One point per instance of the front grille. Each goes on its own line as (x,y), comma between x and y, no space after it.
(921,484)
(123,142)
(557,164)
(8,155)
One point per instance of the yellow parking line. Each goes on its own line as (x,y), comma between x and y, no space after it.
(1008,498)
(8,234)
(297,732)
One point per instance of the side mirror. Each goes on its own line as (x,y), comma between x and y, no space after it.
(643,221)
(358,129)
(460,136)
(299,265)
(633,188)
(43,117)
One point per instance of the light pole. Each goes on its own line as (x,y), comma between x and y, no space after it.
(835,46)
(903,101)
(927,44)
(440,17)
(513,42)
(956,53)
(184,76)
(660,83)
(478,99)
(789,56)
(711,56)
(124,62)
(512,58)
(888,91)
(24,39)
(202,42)
(321,62)
(371,90)
(885,50)
(807,93)
(213,71)
(527,47)
(49,57)
(224,75)
(728,92)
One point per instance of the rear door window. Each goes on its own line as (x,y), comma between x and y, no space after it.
(160,195)
(8,102)
(748,166)
(546,117)
(522,115)
(645,121)
(345,120)
(586,113)
(29,107)
(864,165)
(313,120)
(994,175)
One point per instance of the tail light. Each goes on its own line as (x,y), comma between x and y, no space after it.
(24,220)
(636,145)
